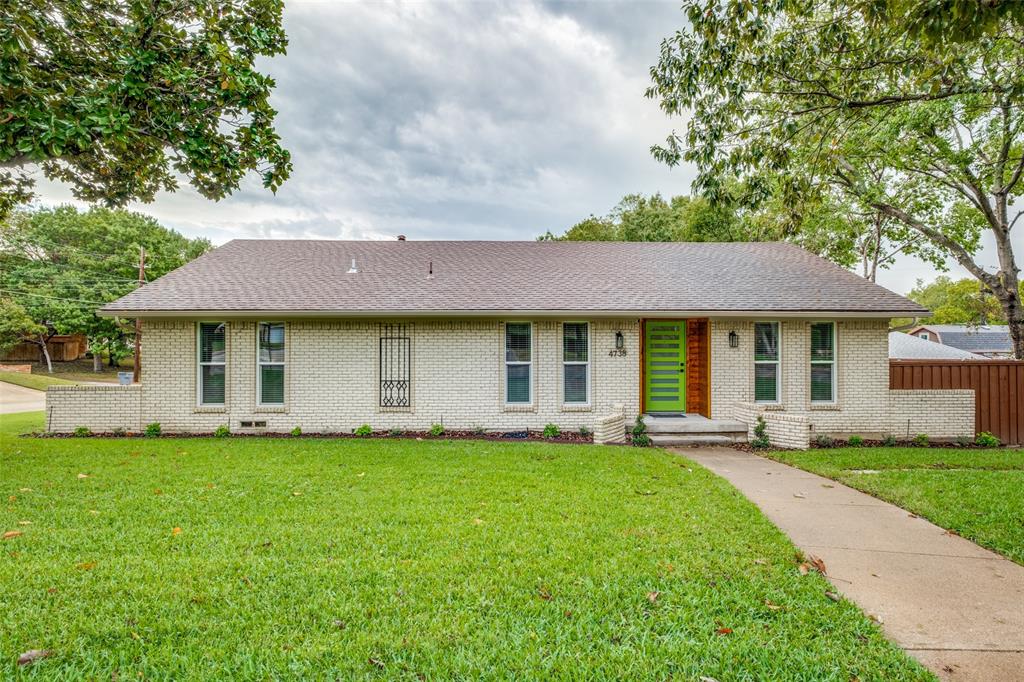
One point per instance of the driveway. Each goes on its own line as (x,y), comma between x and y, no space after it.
(957,608)
(20,399)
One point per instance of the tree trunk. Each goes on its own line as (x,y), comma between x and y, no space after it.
(1009,300)
(46,353)
(97,362)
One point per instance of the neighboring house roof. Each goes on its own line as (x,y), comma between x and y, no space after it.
(976,339)
(490,277)
(906,347)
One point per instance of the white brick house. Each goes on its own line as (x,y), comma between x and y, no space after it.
(328,335)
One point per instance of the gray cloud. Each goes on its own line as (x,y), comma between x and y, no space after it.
(463,120)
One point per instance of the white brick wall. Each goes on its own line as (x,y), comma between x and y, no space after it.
(784,430)
(99,408)
(332,382)
(864,404)
(941,414)
(332,366)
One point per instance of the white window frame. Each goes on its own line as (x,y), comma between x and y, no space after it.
(777,362)
(585,403)
(834,362)
(506,363)
(925,336)
(260,365)
(200,364)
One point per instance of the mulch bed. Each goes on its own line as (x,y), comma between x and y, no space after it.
(571,437)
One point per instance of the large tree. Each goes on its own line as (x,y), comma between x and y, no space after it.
(119,97)
(59,265)
(639,218)
(862,103)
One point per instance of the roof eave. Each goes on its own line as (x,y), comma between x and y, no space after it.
(551,313)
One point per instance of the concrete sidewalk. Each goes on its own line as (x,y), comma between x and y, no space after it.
(957,608)
(15,398)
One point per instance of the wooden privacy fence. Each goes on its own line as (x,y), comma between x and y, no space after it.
(998,389)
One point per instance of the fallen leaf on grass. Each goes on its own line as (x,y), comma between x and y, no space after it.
(477,522)
(24,523)
(11,534)
(876,618)
(135,636)
(296,493)
(723,631)
(81,476)
(645,493)
(653,596)
(760,562)
(361,475)
(340,624)
(86,565)
(804,568)
(24,490)
(158,492)
(93,511)
(705,678)
(176,530)
(818,564)
(33,655)
(772,605)
(544,594)
(376,662)
(832,595)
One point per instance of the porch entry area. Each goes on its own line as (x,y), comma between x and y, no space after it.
(675,366)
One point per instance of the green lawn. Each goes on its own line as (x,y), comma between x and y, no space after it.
(377,559)
(978,494)
(36,381)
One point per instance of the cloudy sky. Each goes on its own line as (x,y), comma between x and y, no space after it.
(468,120)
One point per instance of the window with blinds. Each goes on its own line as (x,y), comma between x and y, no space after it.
(823,362)
(766,362)
(212,362)
(395,366)
(270,361)
(518,363)
(576,363)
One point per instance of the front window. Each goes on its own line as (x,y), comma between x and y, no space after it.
(576,363)
(212,363)
(270,361)
(766,362)
(518,363)
(823,362)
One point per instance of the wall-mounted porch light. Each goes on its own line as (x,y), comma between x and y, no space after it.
(619,341)
(734,340)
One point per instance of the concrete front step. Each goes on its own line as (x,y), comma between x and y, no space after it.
(695,424)
(684,439)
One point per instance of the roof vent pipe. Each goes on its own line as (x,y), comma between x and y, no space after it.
(353,269)
(430,270)
(401,237)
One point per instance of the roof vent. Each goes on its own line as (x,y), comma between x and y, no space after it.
(401,237)
(353,269)
(430,270)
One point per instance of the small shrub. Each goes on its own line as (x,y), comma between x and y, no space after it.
(297,431)
(119,432)
(823,440)
(640,439)
(552,431)
(364,430)
(761,440)
(396,433)
(921,440)
(479,431)
(855,441)
(222,431)
(987,440)
(437,430)
(152,430)
(963,441)
(889,441)
(82,432)
(585,432)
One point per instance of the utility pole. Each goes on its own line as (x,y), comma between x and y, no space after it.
(137,375)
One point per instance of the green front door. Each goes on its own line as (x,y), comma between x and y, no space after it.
(665,365)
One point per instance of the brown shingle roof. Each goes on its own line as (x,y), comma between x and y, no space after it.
(310,276)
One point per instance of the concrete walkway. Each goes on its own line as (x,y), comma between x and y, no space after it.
(20,399)
(957,608)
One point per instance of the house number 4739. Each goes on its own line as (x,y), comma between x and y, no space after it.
(617,353)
